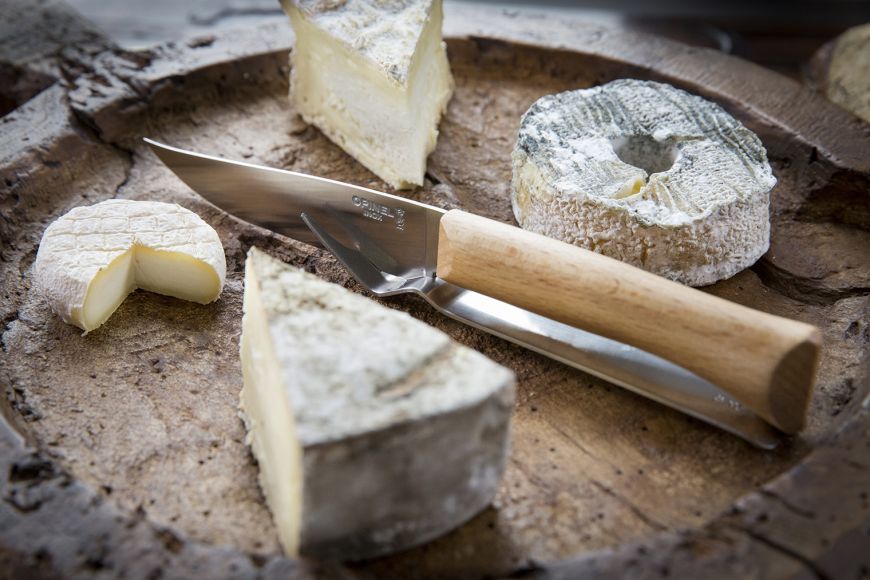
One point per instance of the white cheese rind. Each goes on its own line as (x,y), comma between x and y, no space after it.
(400,434)
(647,174)
(374,77)
(90,258)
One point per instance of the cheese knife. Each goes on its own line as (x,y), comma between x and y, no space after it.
(734,367)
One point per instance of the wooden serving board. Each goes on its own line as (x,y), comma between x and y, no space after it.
(121,452)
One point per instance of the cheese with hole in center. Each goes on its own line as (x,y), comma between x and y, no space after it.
(373,431)
(374,77)
(645,173)
(92,257)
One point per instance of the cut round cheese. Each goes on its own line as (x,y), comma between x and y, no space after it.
(647,174)
(374,77)
(373,431)
(92,257)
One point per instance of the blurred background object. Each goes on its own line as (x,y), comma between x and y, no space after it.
(841,70)
(779,35)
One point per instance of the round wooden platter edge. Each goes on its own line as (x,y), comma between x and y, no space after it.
(811,520)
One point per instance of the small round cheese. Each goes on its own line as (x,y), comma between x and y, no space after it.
(647,174)
(92,257)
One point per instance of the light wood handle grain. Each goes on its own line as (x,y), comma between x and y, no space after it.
(766,362)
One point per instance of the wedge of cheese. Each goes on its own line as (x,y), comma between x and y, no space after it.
(373,431)
(92,257)
(374,77)
(645,173)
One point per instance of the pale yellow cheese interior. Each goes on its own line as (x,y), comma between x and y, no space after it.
(388,126)
(266,410)
(171,273)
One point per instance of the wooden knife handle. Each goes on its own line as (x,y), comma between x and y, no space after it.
(766,362)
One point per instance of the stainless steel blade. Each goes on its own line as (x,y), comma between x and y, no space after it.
(390,244)
(631,368)
(404,231)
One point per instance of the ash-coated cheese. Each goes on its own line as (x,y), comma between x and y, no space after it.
(374,77)
(92,257)
(373,431)
(645,173)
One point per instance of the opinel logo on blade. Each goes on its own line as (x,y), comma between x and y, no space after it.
(378,211)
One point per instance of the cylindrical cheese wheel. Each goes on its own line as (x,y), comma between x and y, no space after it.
(647,174)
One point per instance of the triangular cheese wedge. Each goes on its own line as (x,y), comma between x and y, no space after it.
(373,431)
(374,77)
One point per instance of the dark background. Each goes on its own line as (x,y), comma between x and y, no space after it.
(779,35)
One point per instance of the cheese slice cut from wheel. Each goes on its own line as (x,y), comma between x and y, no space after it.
(374,77)
(373,431)
(92,257)
(647,174)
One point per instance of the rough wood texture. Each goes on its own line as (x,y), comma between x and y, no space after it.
(131,459)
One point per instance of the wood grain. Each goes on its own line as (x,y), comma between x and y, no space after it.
(766,362)
(127,458)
